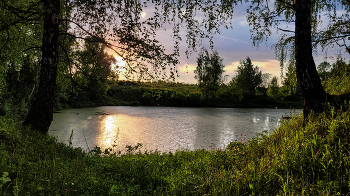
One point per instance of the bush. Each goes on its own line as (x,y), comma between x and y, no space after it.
(193,99)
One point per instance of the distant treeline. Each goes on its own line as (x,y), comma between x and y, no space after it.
(178,94)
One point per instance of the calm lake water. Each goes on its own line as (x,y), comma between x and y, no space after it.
(163,128)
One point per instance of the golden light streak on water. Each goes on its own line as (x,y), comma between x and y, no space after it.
(115,130)
(108,131)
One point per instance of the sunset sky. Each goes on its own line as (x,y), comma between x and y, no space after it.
(234,45)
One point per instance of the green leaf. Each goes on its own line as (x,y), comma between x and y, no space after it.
(4,179)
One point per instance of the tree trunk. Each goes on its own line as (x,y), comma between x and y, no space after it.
(40,115)
(312,92)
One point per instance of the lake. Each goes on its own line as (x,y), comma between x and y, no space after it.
(163,128)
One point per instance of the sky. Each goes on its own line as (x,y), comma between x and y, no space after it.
(235,44)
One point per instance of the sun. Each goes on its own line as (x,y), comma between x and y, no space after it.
(119,65)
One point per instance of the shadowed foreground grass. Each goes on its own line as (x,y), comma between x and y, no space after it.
(291,161)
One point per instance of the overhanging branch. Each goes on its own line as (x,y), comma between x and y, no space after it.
(330,38)
(34,47)
(285,30)
(292,6)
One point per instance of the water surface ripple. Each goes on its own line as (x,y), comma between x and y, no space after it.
(163,128)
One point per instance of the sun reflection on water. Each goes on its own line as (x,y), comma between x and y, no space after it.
(122,130)
(108,131)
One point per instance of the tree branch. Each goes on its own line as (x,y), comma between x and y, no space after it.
(292,6)
(285,30)
(70,66)
(330,38)
(34,47)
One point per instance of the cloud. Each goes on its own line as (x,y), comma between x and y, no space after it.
(233,44)
(269,66)
(231,69)
(186,68)
(243,23)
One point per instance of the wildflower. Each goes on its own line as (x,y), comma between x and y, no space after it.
(187,167)
(318,152)
(59,175)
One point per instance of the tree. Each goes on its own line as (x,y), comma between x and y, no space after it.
(273,87)
(40,114)
(305,15)
(209,73)
(290,81)
(322,69)
(120,21)
(265,81)
(338,79)
(248,78)
(19,60)
(94,64)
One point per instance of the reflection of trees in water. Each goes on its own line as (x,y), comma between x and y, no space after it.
(207,132)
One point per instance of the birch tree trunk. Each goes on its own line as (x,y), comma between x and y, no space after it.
(40,115)
(313,94)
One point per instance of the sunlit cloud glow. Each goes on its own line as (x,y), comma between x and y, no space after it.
(187,68)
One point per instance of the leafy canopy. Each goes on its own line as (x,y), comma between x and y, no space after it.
(248,78)
(209,73)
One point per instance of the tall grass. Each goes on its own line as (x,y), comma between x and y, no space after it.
(293,160)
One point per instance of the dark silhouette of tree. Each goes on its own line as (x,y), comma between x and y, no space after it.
(248,78)
(304,15)
(209,73)
(290,81)
(94,65)
(273,87)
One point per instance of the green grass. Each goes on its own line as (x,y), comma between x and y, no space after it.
(293,160)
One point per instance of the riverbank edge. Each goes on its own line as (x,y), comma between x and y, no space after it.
(109,101)
(294,160)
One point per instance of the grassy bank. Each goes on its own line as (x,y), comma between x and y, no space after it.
(292,160)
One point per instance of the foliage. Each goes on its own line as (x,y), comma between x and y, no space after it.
(19,57)
(323,67)
(263,18)
(274,87)
(248,78)
(209,73)
(290,85)
(305,16)
(338,78)
(93,67)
